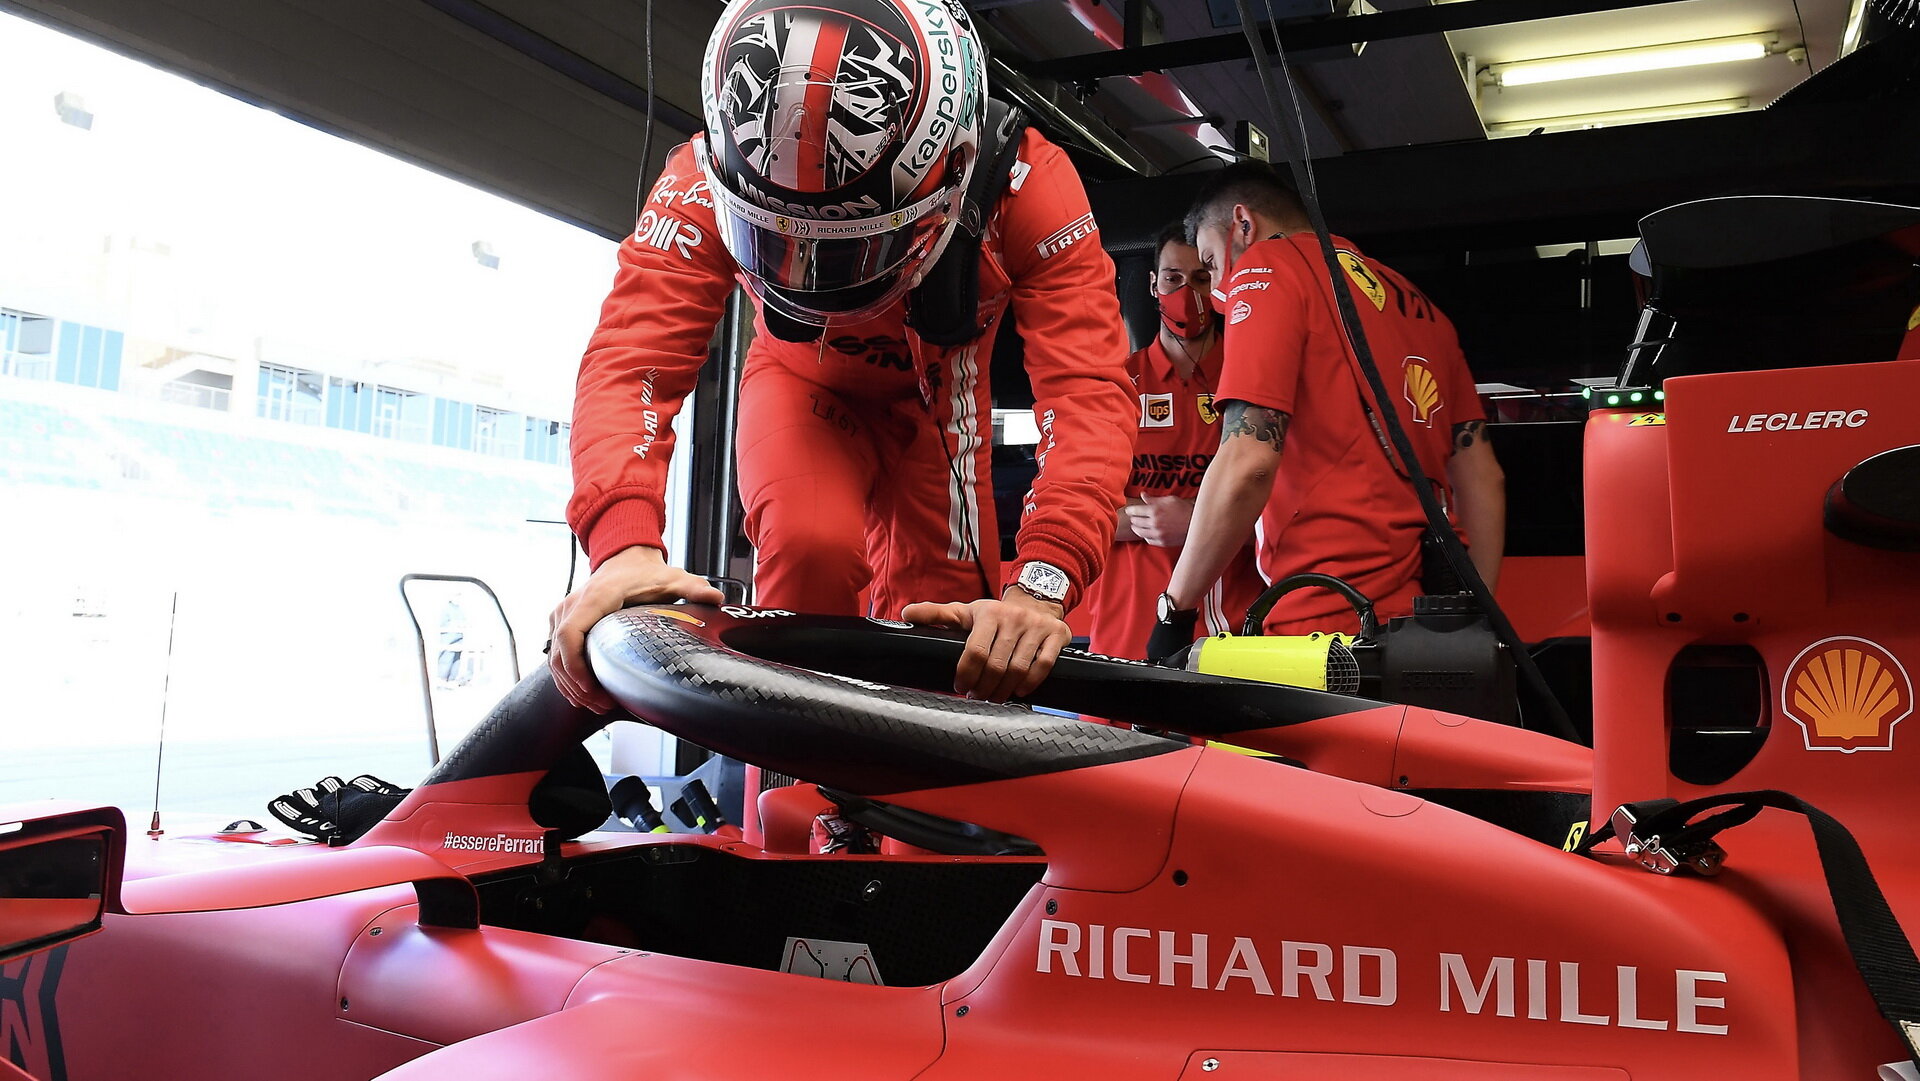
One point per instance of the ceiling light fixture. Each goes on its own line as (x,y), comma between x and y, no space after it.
(1618,116)
(1680,54)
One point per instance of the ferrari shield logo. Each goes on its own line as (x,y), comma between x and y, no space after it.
(1363,277)
(1422,389)
(1846,694)
(1205,404)
(1156,411)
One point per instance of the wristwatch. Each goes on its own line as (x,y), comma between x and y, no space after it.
(1167,610)
(1043,581)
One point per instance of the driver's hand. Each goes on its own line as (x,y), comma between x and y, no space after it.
(631,576)
(1011,645)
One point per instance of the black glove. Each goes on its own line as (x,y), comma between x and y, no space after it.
(1172,635)
(337,811)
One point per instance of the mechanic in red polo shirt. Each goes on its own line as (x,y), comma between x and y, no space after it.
(1303,460)
(1174,377)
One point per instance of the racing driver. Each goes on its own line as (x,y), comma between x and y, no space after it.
(1333,502)
(883,217)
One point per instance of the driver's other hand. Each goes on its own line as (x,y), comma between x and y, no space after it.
(630,576)
(1011,643)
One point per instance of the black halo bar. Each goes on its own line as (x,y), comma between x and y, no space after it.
(1319,34)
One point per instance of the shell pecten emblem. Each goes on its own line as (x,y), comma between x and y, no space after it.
(1422,389)
(1847,694)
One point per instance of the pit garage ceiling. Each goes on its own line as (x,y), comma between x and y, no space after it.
(542,100)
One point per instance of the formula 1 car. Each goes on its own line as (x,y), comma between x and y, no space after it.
(1366,896)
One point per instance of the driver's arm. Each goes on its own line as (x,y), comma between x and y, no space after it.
(669,292)
(1068,316)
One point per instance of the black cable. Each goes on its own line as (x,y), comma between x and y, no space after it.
(1803,40)
(1456,553)
(646,137)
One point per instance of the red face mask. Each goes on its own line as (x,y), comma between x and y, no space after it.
(1182,313)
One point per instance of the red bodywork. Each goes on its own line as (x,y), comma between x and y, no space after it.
(1201,913)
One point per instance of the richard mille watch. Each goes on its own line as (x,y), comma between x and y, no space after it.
(1043,580)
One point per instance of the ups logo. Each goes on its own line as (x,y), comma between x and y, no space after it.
(1156,411)
(1846,694)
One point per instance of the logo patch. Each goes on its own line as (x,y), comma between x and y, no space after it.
(1241,312)
(1156,411)
(675,613)
(1205,404)
(1364,278)
(1846,694)
(1648,420)
(1422,390)
(1072,233)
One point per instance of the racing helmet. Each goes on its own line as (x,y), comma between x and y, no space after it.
(841,136)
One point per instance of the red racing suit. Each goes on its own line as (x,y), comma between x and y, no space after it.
(1178,435)
(865,457)
(1339,506)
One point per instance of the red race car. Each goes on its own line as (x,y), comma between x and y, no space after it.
(1368,896)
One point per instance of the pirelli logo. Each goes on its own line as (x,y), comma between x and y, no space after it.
(1076,230)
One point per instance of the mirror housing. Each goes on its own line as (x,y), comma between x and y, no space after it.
(60,870)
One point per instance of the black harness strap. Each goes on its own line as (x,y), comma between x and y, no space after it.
(1880,949)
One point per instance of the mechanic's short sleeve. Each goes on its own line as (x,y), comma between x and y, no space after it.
(1269,327)
(1463,400)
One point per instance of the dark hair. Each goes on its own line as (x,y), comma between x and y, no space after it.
(1254,184)
(1174,232)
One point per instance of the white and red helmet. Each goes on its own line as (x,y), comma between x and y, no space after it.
(841,136)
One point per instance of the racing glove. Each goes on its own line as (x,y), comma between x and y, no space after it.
(337,811)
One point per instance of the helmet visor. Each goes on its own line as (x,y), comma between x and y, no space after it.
(821,267)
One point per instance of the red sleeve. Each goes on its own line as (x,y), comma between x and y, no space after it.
(1068,316)
(1269,327)
(1462,397)
(669,292)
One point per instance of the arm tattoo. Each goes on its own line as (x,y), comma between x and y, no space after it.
(1465,435)
(1267,425)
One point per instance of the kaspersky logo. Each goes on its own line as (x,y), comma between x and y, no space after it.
(1846,694)
(1422,389)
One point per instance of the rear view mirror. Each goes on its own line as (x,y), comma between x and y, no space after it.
(59,874)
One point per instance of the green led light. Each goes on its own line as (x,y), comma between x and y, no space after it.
(1636,396)
(1586,392)
(1659,395)
(1613,399)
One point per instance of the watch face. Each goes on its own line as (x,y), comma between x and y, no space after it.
(1048,581)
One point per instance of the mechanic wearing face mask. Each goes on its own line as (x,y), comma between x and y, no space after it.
(1302,457)
(1174,378)
(883,216)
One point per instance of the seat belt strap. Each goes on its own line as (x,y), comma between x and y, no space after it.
(1665,837)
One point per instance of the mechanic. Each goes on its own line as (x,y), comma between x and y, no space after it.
(1174,377)
(883,218)
(1333,502)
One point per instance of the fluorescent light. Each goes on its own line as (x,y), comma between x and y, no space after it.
(1680,54)
(1618,116)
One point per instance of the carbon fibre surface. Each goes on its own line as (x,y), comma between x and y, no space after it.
(866,738)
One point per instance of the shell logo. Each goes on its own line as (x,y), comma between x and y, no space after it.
(1422,390)
(1846,694)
